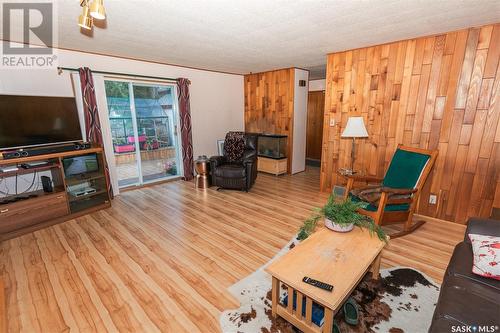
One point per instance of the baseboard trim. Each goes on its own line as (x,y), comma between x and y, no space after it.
(136,187)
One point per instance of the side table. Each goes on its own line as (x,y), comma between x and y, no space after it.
(339,259)
(202,172)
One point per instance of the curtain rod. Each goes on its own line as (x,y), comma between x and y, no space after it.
(60,69)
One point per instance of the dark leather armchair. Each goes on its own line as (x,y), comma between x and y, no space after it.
(239,174)
(467,299)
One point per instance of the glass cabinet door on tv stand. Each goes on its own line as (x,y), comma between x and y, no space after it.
(85,181)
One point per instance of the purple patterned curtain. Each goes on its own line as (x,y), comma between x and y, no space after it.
(186,135)
(92,123)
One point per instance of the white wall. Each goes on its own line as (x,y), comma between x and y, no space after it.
(315,85)
(217,99)
(299,121)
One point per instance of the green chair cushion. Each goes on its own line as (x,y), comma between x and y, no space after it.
(388,208)
(405,169)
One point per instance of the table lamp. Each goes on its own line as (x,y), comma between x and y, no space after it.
(355,128)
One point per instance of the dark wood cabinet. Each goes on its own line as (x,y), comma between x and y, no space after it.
(28,212)
(38,208)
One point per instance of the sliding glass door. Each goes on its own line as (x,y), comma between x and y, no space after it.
(143,120)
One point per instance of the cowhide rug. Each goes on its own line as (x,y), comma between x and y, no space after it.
(402,300)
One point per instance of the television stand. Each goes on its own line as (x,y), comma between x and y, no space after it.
(26,212)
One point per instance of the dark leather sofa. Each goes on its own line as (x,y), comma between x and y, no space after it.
(239,175)
(467,299)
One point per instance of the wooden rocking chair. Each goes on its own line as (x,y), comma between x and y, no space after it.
(394,198)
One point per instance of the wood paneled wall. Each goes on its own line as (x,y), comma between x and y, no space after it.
(439,92)
(269,104)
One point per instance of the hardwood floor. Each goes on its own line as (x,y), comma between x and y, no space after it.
(162,257)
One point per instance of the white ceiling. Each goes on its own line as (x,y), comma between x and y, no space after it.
(243,36)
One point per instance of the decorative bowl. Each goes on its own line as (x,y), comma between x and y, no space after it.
(338,227)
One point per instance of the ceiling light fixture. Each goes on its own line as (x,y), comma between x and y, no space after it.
(90,12)
(85,20)
(97,10)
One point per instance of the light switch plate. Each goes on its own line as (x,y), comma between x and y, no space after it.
(432,199)
(332,121)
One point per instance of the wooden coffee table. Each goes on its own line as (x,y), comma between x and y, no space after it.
(340,259)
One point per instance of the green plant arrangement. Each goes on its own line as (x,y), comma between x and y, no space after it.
(343,213)
(119,141)
(170,168)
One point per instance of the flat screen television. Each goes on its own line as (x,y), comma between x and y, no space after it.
(27,121)
(74,166)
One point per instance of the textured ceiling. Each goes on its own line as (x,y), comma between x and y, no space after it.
(243,36)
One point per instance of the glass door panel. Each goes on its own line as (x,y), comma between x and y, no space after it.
(143,122)
(156,124)
(122,132)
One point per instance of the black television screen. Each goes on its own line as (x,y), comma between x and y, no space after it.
(27,121)
(80,164)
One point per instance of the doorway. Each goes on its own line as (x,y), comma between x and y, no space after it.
(314,132)
(143,122)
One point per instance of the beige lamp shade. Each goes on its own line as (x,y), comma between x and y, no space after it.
(355,128)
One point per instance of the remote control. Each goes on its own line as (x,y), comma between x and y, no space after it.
(318,284)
